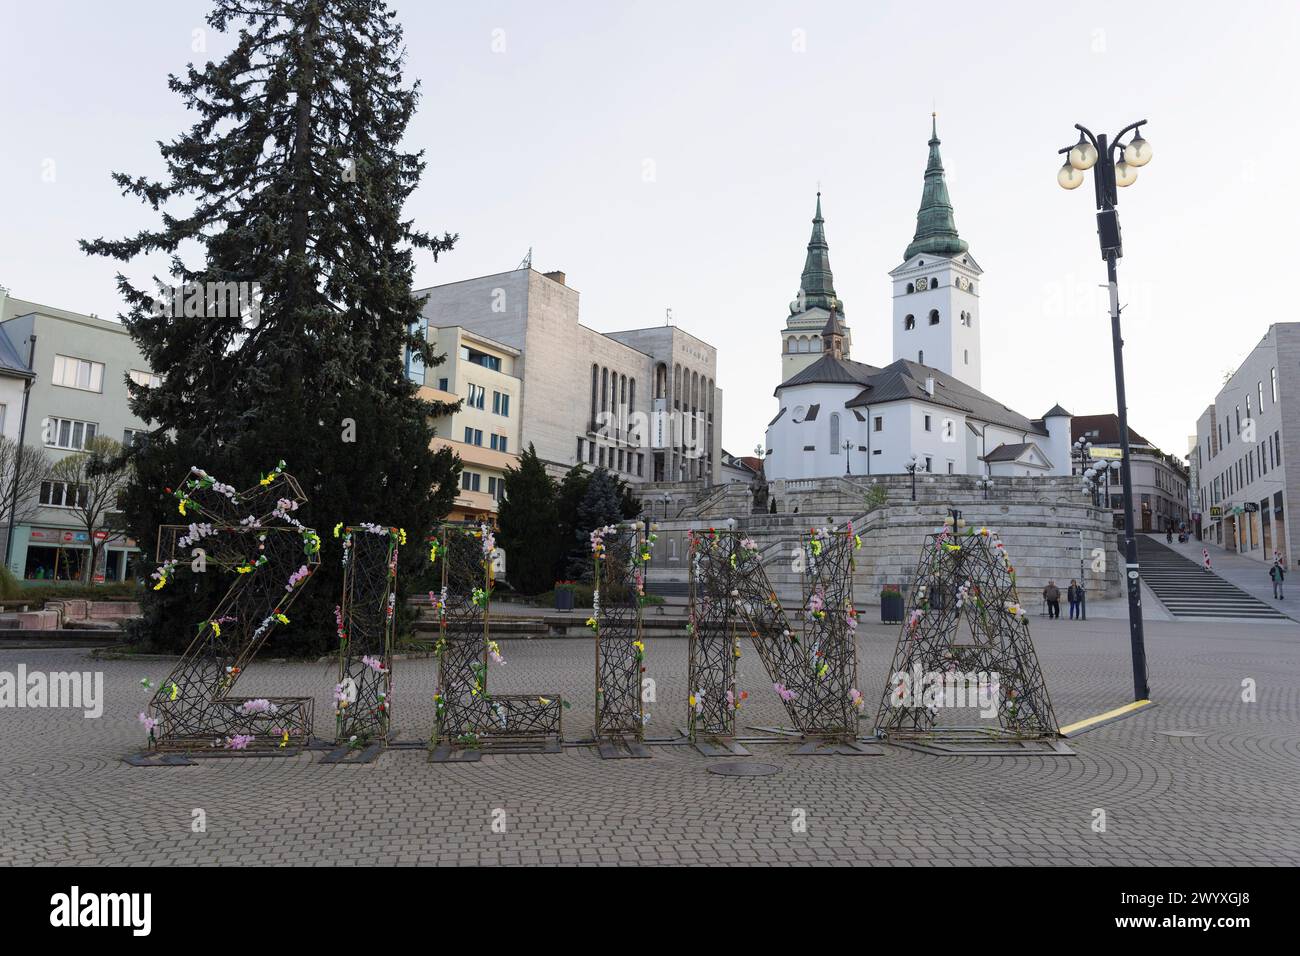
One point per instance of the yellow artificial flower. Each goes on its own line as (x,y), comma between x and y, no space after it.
(281,618)
(691,700)
(337,528)
(543,701)
(284,742)
(181,506)
(161,581)
(216,627)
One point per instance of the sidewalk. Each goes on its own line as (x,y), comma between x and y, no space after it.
(1246,573)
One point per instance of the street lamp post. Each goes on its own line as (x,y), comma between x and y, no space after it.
(911,467)
(847,446)
(1099,154)
(984,483)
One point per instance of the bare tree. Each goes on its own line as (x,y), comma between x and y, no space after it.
(22,469)
(96,476)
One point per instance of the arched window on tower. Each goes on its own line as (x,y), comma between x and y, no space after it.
(966,355)
(920,357)
(803,343)
(814,344)
(909,323)
(835,433)
(934,316)
(791,344)
(910,288)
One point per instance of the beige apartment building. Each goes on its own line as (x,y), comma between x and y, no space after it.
(480,373)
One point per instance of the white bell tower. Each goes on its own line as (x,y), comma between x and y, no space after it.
(936,319)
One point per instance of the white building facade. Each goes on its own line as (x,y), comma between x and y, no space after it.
(1247,473)
(925,409)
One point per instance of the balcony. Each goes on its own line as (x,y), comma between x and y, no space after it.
(478,455)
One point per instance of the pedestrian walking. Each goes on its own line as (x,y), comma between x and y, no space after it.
(1052,595)
(1205,557)
(1277,575)
(1074,593)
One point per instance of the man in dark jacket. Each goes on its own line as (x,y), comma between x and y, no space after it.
(1052,595)
(1074,594)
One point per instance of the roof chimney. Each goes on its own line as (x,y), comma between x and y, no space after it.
(555,276)
(929,384)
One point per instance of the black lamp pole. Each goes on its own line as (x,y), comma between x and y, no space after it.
(1106,175)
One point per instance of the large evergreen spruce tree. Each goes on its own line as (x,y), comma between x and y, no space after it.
(292,177)
(527,519)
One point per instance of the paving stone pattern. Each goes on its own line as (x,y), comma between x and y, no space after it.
(1229,797)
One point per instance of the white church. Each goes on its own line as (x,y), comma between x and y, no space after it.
(925,409)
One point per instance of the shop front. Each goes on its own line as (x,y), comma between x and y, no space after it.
(62,554)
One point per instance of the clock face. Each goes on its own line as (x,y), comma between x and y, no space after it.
(963,283)
(922,285)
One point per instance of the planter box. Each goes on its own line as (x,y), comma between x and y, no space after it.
(563,599)
(891,608)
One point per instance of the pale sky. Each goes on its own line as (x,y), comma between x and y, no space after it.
(741,110)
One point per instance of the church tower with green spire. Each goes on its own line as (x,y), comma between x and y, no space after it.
(936,320)
(802,340)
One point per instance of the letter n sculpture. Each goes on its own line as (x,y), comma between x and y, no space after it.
(253,535)
(363,697)
(812,664)
(468,718)
(620,554)
(965,629)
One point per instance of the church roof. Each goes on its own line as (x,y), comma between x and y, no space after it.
(906,380)
(829,370)
(1005,452)
(817,284)
(936,232)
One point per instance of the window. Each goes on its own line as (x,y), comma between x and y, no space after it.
(640,464)
(442,384)
(468,354)
(909,322)
(835,433)
(470,480)
(878,423)
(147,379)
(927,422)
(499,442)
(496,487)
(414,364)
(62,494)
(78,373)
(934,316)
(477,395)
(1272,383)
(580,444)
(929,466)
(474,436)
(131,437)
(591,453)
(68,433)
(920,356)
(965,355)
(910,288)
(1259,394)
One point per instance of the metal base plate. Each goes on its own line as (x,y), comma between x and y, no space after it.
(838,748)
(154,759)
(622,748)
(720,747)
(354,755)
(743,768)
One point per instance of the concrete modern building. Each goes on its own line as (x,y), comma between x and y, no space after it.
(1247,471)
(1159,479)
(484,433)
(80,365)
(925,409)
(641,403)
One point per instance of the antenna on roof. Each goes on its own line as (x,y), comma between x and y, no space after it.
(528,260)
(668,317)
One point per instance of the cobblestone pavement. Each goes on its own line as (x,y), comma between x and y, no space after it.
(1228,797)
